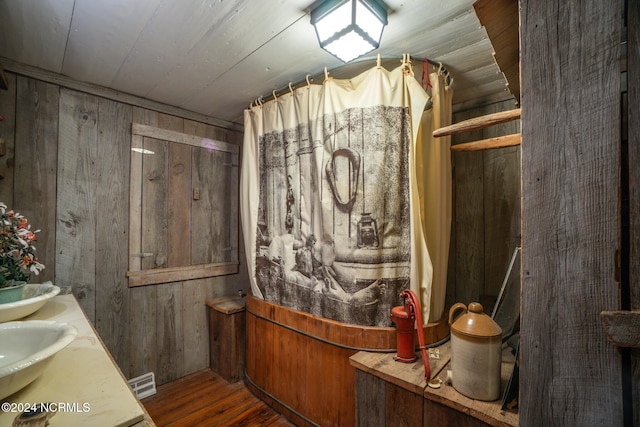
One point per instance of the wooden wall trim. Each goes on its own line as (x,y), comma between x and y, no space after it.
(60,80)
(183,138)
(180,274)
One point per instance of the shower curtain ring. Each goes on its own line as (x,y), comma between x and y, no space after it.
(307,79)
(326,73)
(290,88)
(275,98)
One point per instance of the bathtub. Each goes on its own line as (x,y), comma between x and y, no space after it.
(299,363)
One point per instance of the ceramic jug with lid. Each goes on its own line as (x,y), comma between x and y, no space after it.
(476,352)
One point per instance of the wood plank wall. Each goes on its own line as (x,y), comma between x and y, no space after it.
(67,169)
(486,209)
(571,103)
(633,97)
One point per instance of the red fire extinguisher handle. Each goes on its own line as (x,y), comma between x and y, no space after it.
(412,303)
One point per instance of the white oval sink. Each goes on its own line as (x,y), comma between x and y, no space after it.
(26,348)
(34,296)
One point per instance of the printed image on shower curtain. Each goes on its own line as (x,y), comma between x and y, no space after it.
(326,202)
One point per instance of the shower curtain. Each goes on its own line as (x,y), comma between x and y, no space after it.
(330,203)
(433,170)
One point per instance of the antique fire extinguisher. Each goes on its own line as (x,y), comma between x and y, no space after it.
(405,317)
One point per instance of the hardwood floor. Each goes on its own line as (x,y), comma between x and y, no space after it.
(205,399)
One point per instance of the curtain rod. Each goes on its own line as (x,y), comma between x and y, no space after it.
(309,78)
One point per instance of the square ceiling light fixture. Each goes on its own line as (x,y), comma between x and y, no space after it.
(348,29)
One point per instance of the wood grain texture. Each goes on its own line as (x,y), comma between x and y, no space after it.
(112,232)
(167,274)
(32,162)
(178,205)
(277,358)
(226,339)
(403,407)
(195,335)
(398,393)
(437,414)
(169,297)
(72,174)
(468,221)
(286,347)
(489,143)
(8,132)
(478,122)
(154,205)
(212,209)
(166,132)
(115,95)
(76,197)
(633,134)
(143,317)
(170,327)
(571,175)
(196,331)
(622,327)
(370,399)
(205,398)
(486,226)
(500,19)
(502,206)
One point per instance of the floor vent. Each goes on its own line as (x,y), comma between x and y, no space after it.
(144,385)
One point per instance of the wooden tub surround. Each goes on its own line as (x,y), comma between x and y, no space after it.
(299,363)
(391,393)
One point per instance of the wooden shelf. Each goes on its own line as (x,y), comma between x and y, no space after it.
(478,122)
(487,144)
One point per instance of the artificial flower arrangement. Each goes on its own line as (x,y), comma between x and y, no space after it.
(17,253)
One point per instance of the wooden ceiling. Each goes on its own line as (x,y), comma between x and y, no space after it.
(214,57)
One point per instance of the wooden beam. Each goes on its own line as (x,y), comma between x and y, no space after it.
(622,327)
(182,138)
(501,21)
(478,122)
(180,274)
(487,144)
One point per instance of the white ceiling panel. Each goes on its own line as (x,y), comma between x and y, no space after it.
(35,32)
(225,49)
(102,35)
(214,57)
(258,75)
